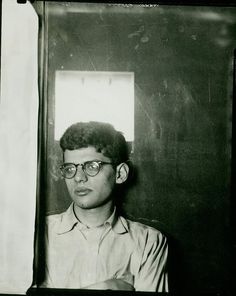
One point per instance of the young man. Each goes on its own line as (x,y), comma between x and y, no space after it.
(90,246)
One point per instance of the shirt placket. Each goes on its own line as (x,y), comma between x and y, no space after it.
(100,271)
(93,238)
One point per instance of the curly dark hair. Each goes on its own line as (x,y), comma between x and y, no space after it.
(102,136)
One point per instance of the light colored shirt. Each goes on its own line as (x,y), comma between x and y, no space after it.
(78,256)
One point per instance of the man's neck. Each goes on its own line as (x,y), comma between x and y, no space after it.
(94,217)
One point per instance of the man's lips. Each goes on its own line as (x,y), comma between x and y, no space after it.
(82,191)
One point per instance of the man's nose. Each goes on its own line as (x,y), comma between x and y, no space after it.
(80,175)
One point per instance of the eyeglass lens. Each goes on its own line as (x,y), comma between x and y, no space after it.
(91,168)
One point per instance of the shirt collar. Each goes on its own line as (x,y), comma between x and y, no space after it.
(69,220)
(117,224)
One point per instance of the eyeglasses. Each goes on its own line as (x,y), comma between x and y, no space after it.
(90,168)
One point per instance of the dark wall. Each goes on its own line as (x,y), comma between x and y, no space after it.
(182,59)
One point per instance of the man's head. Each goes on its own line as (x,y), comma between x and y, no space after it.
(102,136)
(94,156)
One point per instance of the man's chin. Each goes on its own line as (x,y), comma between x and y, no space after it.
(90,206)
(83,205)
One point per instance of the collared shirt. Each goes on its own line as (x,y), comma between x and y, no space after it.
(78,256)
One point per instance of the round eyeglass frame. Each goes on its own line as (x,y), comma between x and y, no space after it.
(83,166)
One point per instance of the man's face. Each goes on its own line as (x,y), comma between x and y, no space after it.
(90,192)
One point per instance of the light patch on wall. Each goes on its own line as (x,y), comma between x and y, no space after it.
(95,96)
(18,149)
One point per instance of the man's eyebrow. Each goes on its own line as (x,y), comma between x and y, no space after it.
(68,162)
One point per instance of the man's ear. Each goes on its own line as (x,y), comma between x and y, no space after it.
(122,172)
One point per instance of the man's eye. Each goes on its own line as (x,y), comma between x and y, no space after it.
(69,169)
(92,165)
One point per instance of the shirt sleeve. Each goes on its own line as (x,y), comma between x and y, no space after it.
(152,275)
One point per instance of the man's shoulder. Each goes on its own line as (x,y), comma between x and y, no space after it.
(54,218)
(55,221)
(141,229)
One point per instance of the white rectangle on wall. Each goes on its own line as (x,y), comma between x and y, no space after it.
(94,96)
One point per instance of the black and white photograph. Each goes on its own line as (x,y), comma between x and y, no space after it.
(117,130)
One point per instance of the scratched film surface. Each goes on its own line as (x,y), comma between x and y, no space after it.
(181,59)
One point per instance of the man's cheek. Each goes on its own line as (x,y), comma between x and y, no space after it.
(69,187)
